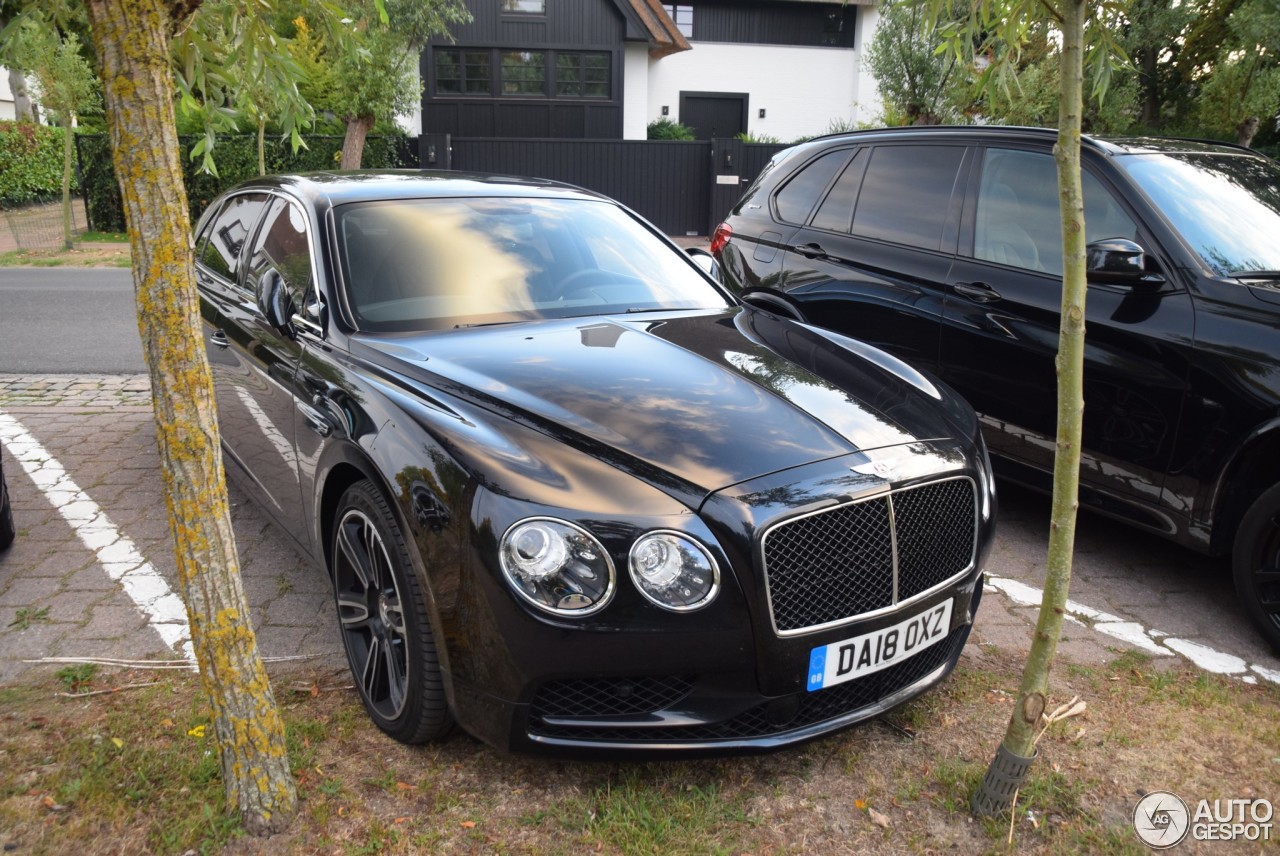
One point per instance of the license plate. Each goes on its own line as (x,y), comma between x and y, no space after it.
(843,661)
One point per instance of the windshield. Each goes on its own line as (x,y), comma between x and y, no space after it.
(1227,207)
(426,264)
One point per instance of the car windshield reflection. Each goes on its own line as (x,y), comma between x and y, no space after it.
(1226,207)
(441,263)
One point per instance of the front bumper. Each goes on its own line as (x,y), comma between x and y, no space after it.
(711,712)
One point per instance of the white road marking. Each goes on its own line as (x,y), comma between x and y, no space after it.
(117,555)
(1152,641)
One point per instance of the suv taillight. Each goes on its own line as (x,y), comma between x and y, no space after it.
(719,238)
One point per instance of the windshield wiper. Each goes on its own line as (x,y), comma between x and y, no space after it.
(1256,274)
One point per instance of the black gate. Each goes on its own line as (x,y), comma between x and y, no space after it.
(683,188)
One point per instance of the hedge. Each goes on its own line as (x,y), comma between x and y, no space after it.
(237,160)
(30,163)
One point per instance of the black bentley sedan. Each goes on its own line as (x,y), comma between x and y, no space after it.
(943,246)
(571,494)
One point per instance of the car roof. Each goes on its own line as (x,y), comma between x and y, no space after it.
(339,187)
(1104,144)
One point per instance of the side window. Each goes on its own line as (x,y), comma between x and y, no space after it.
(837,209)
(907,193)
(1017,220)
(282,245)
(203,236)
(802,192)
(227,235)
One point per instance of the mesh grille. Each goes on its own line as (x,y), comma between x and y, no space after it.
(838,564)
(829,566)
(935,527)
(608,696)
(814,708)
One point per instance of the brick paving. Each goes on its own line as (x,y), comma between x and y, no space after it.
(100,428)
(55,598)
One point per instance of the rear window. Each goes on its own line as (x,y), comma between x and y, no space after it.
(906,194)
(801,193)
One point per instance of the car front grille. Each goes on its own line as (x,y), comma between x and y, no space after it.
(844,562)
(608,696)
(764,720)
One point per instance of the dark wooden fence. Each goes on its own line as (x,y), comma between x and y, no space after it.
(683,188)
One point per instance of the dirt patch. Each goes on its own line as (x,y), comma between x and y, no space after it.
(95,255)
(131,772)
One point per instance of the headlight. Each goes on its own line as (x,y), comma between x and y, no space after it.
(674,571)
(556,566)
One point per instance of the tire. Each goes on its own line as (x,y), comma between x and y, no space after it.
(383,619)
(1255,563)
(7,530)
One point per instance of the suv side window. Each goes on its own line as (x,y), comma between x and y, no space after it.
(230,230)
(1017,220)
(282,245)
(836,210)
(805,188)
(906,194)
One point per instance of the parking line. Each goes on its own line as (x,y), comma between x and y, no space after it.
(1152,641)
(116,553)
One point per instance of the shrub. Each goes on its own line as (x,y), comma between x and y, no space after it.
(30,163)
(237,160)
(767,139)
(665,129)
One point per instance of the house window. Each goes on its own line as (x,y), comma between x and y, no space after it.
(683,16)
(461,72)
(524,73)
(582,75)
(525,7)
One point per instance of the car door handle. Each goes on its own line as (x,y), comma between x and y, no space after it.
(978,292)
(811,251)
(316,420)
(219,338)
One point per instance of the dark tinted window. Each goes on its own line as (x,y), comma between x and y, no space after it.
(229,232)
(837,208)
(1018,221)
(906,194)
(797,199)
(281,245)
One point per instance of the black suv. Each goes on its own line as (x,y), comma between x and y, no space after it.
(943,246)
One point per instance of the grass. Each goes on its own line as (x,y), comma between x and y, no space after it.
(29,615)
(92,237)
(116,255)
(120,772)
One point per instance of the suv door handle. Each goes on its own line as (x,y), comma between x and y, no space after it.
(811,251)
(978,292)
(219,338)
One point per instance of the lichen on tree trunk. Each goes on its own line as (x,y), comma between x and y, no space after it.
(132,41)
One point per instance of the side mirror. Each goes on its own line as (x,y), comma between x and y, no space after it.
(706,261)
(274,302)
(1119,261)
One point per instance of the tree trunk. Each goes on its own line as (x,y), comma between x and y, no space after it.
(132,40)
(23,110)
(1149,81)
(1010,766)
(68,139)
(353,143)
(1247,130)
(262,160)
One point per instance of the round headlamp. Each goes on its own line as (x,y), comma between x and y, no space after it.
(557,566)
(673,571)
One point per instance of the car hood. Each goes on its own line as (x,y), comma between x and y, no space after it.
(710,398)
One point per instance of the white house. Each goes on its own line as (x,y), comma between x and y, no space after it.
(607,68)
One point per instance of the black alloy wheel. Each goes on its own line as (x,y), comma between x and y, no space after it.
(1256,564)
(385,626)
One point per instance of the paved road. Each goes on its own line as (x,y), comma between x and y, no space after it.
(68,320)
(93,547)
